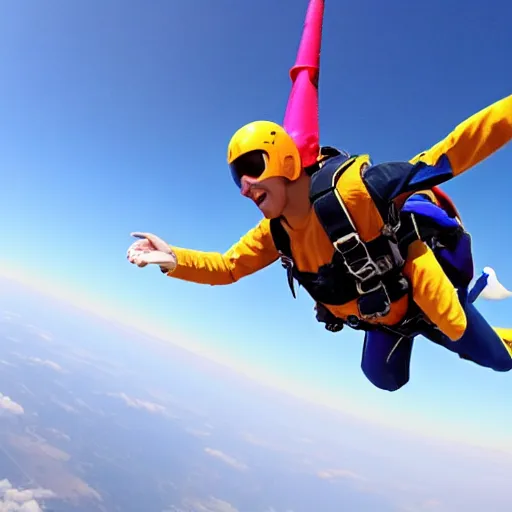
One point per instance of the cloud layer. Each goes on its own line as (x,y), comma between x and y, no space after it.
(9,405)
(230,461)
(137,403)
(21,500)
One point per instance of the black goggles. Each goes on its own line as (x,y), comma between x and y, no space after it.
(251,164)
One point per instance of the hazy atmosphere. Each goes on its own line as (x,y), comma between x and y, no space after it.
(122,389)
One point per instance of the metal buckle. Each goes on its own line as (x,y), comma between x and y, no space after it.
(286,261)
(394,219)
(353,321)
(361,290)
(384,264)
(288,264)
(377,314)
(390,231)
(368,268)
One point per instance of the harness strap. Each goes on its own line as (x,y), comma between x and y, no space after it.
(333,284)
(369,272)
(326,152)
(282,243)
(280,237)
(366,269)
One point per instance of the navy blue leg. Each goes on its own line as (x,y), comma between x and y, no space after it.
(386,360)
(480,343)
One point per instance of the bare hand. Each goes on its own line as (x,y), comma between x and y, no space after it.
(151,249)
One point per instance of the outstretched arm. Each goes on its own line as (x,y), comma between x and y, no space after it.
(253,252)
(473,140)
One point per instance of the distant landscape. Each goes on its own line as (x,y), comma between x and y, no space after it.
(96,417)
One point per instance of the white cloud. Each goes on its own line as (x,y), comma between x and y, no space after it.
(7,363)
(198,433)
(59,434)
(46,362)
(337,474)
(137,403)
(21,500)
(230,461)
(208,505)
(44,335)
(9,316)
(40,362)
(66,407)
(9,405)
(429,505)
(84,405)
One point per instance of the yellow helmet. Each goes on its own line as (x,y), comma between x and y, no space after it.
(263,149)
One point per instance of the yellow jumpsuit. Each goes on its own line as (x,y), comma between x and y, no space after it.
(469,143)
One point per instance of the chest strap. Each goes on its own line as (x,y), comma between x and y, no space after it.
(333,284)
(367,272)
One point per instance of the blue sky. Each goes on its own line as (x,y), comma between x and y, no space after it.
(115,118)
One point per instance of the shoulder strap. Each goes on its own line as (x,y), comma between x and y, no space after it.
(331,212)
(370,267)
(363,264)
(280,237)
(282,243)
(326,152)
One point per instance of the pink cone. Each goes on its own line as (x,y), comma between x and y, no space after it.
(301,117)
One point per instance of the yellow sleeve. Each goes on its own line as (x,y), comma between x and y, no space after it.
(253,252)
(433,292)
(474,139)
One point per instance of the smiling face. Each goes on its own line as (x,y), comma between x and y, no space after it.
(269,195)
(265,162)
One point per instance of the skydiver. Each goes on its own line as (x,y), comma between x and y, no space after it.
(401,287)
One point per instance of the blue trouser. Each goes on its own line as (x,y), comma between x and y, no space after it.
(386,356)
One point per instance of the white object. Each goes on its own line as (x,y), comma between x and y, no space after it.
(151,250)
(494,290)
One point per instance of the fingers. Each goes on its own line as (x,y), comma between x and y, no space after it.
(151,250)
(137,248)
(137,259)
(140,245)
(143,258)
(145,237)
(153,240)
